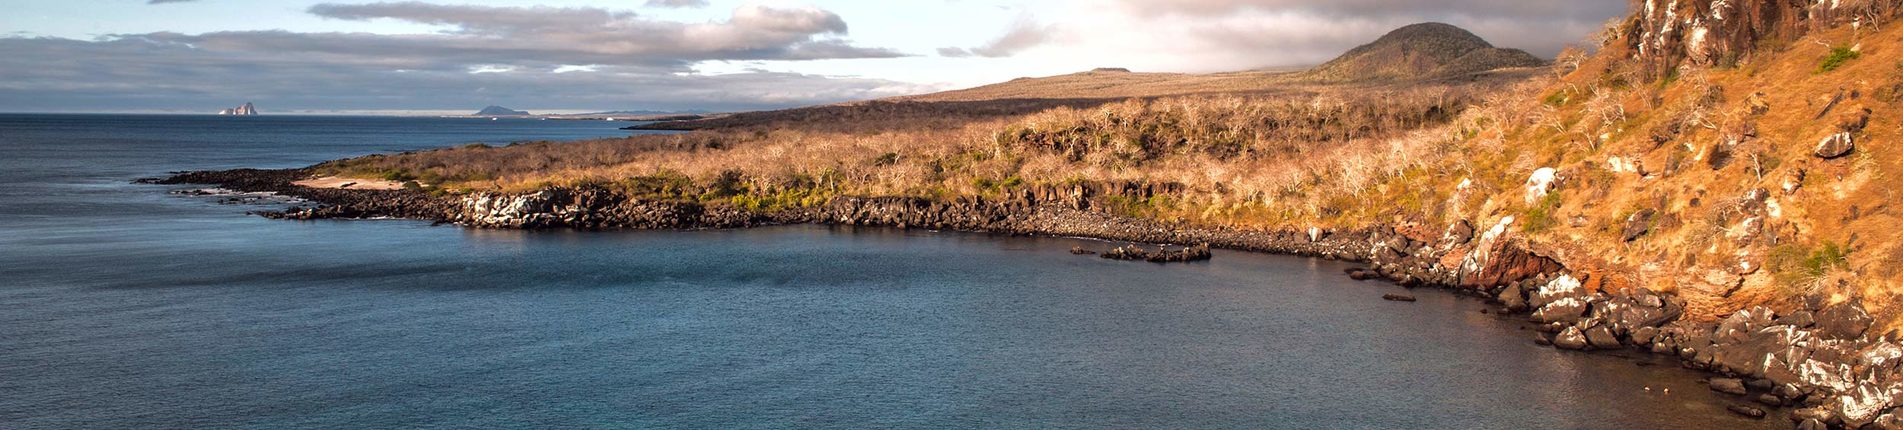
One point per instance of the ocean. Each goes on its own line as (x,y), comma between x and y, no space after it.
(129,306)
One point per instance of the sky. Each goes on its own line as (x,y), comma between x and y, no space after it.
(353,56)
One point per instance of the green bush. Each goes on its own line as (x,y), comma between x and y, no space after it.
(1838,56)
(1794,264)
(1542,216)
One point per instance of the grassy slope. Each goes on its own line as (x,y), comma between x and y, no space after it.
(1603,111)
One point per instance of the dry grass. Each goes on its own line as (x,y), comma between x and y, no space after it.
(1355,156)
(1235,160)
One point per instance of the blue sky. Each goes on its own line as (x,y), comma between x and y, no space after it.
(349,55)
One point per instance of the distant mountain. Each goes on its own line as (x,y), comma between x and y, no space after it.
(1430,50)
(501,111)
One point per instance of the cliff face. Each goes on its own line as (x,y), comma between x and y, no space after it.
(1663,34)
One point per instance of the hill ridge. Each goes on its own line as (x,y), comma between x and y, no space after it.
(1421,51)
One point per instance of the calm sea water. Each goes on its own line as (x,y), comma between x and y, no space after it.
(122,306)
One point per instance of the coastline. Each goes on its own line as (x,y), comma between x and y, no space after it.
(1819,361)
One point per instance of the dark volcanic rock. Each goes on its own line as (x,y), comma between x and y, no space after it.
(1845,320)
(1728,386)
(1397,298)
(1513,297)
(1460,233)
(1601,337)
(1571,338)
(1135,253)
(1799,319)
(1638,224)
(1507,262)
(1746,410)
(1836,145)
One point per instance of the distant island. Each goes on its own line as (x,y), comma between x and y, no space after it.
(501,111)
(246,110)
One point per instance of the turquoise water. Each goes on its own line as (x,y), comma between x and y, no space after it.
(128,307)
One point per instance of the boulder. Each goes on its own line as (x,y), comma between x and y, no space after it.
(1513,297)
(1836,145)
(1741,324)
(1771,400)
(1788,392)
(1728,386)
(1564,310)
(1745,410)
(1746,356)
(1601,337)
(1638,224)
(1845,320)
(1881,355)
(1643,335)
(1636,308)
(1572,339)
(1540,183)
(1563,286)
(1497,261)
(1818,414)
(1460,233)
(1810,424)
(1862,404)
(1398,298)
(1721,153)
(1793,181)
(1889,421)
(1799,319)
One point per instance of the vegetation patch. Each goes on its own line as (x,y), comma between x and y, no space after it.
(1799,267)
(1838,56)
(1543,215)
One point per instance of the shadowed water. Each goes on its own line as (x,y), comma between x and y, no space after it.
(126,307)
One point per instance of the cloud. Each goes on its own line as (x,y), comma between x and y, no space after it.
(1025,34)
(1542,25)
(526,56)
(1367,8)
(548,35)
(677,3)
(1228,35)
(133,73)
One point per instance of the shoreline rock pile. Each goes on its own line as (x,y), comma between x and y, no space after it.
(1821,359)
(1160,255)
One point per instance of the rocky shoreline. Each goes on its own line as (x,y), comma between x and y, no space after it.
(1823,360)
